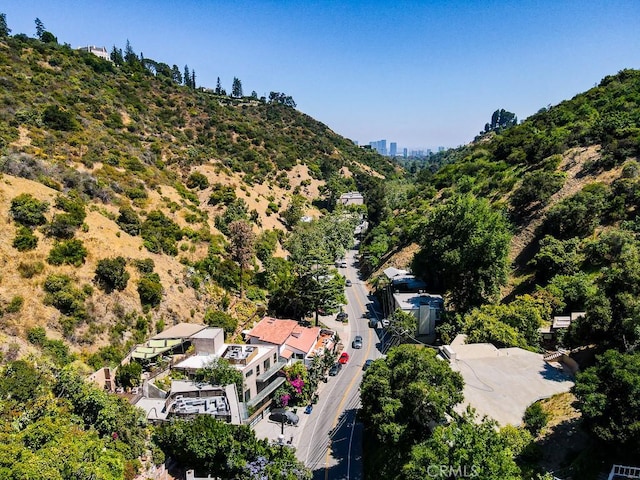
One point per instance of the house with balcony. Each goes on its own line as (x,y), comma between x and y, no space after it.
(259,364)
(293,341)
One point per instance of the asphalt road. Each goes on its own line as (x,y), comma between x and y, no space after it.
(330,440)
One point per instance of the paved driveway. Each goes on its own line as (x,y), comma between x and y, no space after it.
(502,383)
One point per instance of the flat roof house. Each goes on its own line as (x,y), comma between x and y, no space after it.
(427,309)
(351,198)
(259,364)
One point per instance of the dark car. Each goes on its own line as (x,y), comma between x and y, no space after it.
(342,317)
(348,283)
(335,368)
(281,415)
(367,364)
(357,342)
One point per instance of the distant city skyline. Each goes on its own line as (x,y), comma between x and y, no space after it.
(423,73)
(380,146)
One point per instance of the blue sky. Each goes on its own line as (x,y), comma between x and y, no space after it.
(420,73)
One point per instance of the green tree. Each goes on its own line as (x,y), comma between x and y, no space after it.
(216,318)
(160,233)
(4,28)
(219,371)
(464,250)
(223,450)
(535,418)
(557,257)
(28,211)
(59,119)
(150,290)
(111,274)
(535,190)
(129,221)
(197,180)
(463,448)
(608,394)
(236,88)
(500,120)
(129,375)
(403,394)
(241,247)
(39,28)
(294,211)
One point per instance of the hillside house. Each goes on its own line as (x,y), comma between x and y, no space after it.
(97,51)
(293,341)
(351,198)
(427,309)
(259,364)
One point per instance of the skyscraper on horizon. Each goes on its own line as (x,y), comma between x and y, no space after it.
(380,146)
(393,149)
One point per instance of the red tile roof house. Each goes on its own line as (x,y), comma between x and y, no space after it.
(294,342)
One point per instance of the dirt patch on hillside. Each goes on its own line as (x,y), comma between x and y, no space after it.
(572,164)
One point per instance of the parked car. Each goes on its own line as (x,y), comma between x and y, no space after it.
(373,322)
(385,323)
(367,364)
(348,283)
(342,317)
(357,342)
(335,368)
(344,358)
(281,415)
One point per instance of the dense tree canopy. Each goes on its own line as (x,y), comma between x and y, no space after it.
(406,393)
(463,448)
(609,394)
(216,448)
(464,251)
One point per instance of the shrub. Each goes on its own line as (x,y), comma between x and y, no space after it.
(61,294)
(197,180)
(111,274)
(129,221)
(28,211)
(56,118)
(216,318)
(70,252)
(160,233)
(37,335)
(62,226)
(150,290)
(28,270)
(15,305)
(129,375)
(535,418)
(144,266)
(225,194)
(25,239)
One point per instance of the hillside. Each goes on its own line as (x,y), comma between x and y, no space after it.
(109,139)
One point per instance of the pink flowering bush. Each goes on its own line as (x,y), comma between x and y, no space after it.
(297,383)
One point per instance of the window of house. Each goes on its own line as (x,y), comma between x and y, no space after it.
(257,369)
(248,374)
(247,395)
(267,364)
